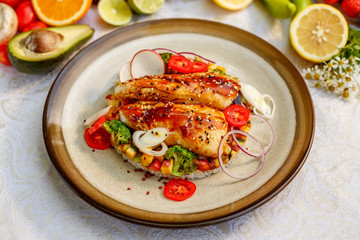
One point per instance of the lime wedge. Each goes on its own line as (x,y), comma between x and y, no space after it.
(115,12)
(145,6)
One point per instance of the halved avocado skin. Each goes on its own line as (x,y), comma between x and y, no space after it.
(49,63)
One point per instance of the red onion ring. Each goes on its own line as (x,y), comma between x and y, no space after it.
(267,148)
(238,101)
(166,50)
(220,150)
(196,55)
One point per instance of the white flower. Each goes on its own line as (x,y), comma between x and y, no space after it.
(332,64)
(339,75)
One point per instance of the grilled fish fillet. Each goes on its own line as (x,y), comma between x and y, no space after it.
(195,127)
(210,89)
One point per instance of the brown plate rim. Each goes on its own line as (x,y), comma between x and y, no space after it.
(55,143)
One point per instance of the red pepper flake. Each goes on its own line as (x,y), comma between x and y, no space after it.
(128,188)
(147,193)
(84,120)
(160,187)
(125,160)
(128,171)
(164,183)
(148,175)
(93,150)
(159,179)
(143,179)
(139,170)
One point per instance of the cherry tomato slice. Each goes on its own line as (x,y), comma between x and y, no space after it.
(199,66)
(180,64)
(4,57)
(237,115)
(34,25)
(100,139)
(179,189)
(97,125)
(25,14)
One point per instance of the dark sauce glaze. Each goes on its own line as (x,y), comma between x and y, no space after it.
(181,117)
(216,83)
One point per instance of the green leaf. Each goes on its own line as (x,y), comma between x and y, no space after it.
(352,47)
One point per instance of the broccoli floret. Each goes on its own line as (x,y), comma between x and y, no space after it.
(120,133)
(183,160)
(166,56)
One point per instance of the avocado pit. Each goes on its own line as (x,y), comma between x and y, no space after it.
(43,41)
(42,50)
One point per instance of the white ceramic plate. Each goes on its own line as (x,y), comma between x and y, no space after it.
(102,177)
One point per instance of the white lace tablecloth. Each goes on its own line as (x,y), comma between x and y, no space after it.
(322,202)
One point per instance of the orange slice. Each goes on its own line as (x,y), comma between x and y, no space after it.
(61,12)
(318,32)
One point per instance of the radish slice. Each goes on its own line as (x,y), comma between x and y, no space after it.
(146,62)
(161,50)
(124,73)
(220,151)
(267,148)
(196,55)
(91,120)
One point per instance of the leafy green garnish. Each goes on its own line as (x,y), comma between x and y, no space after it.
(219,71)
(166,56)
(352,47)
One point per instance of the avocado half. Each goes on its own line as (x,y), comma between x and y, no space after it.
(27,61)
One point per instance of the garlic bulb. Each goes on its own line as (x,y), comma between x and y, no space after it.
(8,23)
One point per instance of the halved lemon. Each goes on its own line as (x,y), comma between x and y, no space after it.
(60,13)
(233,4)
(115,12)
(318,32)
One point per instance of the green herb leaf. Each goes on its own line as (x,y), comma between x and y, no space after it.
(352,47)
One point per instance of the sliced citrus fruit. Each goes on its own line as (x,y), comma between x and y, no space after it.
(115,12)
(233,4)
(318,32)
(145,6)
(60,13)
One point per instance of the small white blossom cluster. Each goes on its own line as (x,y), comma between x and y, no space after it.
(339,75)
